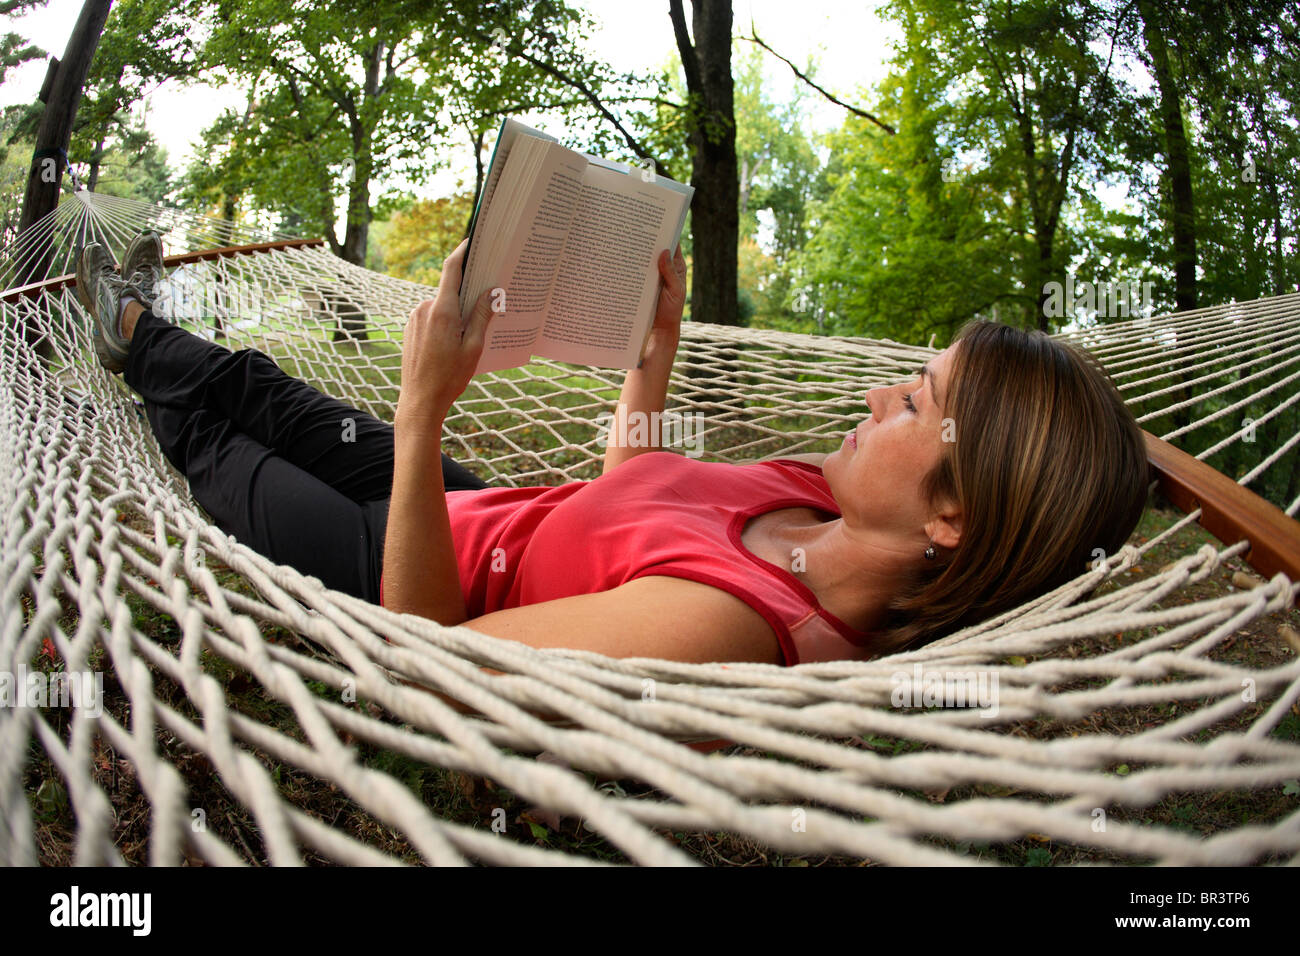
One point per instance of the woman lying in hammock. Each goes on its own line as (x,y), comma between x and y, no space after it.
(997,473)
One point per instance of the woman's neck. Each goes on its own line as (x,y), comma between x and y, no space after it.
(853,575)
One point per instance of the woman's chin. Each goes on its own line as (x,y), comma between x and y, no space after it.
(834,461)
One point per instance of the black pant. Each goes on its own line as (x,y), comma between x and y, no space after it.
(292,473)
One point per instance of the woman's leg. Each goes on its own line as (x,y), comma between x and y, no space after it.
(249,486)
(270,504)
(345,448)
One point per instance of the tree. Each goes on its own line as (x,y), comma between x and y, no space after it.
(779,176)
(349,96)
(705,52)
(61,94)
(1215,108)
(1182,206)
(133,165)
(1004,118)
(14,48)
(911,242)
(15,166)
(145,43)
(333,97)
(420,236)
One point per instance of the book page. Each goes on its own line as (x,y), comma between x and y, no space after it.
(511,130)
(647,175)
(608,281)
(523,236)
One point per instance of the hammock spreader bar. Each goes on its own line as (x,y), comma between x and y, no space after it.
(34,289)
(1229,511)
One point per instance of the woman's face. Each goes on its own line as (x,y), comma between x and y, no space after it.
(876,475)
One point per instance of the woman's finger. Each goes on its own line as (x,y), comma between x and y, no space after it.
(457,255)
(451,270)
(672,280)
(476,331)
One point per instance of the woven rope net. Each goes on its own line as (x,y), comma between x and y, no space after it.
(226,674)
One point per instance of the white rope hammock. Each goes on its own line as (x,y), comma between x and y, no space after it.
(100,539)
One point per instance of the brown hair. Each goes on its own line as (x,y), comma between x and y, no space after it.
(1047,465)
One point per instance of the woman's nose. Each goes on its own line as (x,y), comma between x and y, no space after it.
(876,399)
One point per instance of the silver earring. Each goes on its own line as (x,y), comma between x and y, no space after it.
(930,552)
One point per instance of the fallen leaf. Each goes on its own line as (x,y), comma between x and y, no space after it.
(540,815)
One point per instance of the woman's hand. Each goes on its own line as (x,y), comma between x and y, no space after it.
(645,389)
(438,359)
(667,325)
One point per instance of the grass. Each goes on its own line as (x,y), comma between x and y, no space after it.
(489,805)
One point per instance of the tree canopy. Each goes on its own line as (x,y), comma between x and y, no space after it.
(1012,149)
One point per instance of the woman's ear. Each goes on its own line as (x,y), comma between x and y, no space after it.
(945,528)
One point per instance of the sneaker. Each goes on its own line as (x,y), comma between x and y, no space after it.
(100,290)
(142,266)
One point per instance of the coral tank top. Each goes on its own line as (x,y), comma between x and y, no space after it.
(656,514)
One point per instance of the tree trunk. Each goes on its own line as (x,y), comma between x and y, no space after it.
(358,228)
(356,236)
(1045,242)
(93,179)
(478,180)
(715,217)
(1267,177)
(62,91)
(1182,215)
(1289,494)
(68,77)
(229,204)
(352,321)
(1182,210)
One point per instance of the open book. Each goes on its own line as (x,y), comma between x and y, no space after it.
(573,241)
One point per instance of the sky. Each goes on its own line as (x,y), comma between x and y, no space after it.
(849,43)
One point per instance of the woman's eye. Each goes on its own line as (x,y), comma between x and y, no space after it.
(907,400)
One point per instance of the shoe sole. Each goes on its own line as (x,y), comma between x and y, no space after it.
(145,250)
(83,281)
(104,350)
(106,357)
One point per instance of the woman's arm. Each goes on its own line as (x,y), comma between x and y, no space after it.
(645,389)
(438,359)
(707,623)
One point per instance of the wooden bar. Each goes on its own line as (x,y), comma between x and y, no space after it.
(225,252)
(1229,511)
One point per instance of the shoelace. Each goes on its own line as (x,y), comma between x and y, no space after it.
(136,284)
(142,278)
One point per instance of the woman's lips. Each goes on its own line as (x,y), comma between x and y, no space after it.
(851,439)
